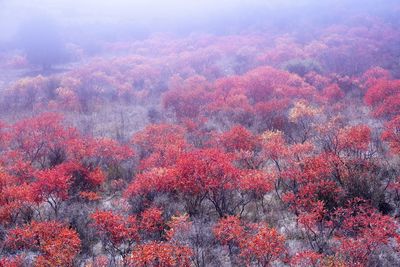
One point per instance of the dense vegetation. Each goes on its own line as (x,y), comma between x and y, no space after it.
(253,149)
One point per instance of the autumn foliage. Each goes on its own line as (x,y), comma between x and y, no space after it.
(56,244)
(267,147)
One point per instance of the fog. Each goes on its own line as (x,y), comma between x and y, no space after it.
(47,26)
(124,19)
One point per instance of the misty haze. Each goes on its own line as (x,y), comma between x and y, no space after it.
(199,133)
